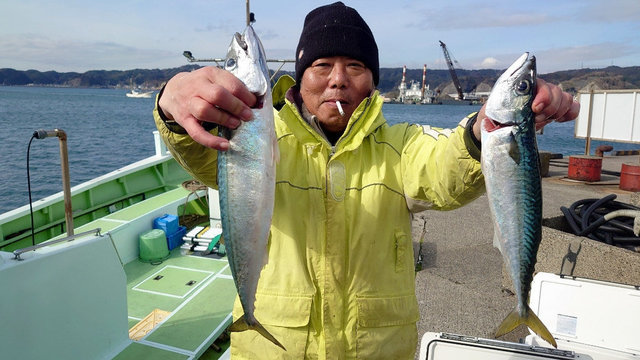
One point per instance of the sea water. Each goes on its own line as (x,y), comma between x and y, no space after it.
(107,130)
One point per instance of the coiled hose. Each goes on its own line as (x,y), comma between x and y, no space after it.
(605,220)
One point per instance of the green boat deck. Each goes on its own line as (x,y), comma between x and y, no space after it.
(98,281)
(197,291)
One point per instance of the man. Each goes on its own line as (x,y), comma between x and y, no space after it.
(340,278)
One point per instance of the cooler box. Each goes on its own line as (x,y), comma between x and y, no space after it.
(153,246)
(174,240)
(592,317)
(443,346)
(166,222)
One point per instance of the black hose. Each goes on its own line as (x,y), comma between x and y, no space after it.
(33,235)
(587,218)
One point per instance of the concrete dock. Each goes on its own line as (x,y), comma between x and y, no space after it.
(462,288)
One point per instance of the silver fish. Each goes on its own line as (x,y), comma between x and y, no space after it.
(246,179)
(511,167)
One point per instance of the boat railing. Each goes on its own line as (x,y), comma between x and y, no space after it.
(17,253)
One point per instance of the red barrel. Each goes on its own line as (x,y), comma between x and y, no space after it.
(630,177)
(585,168)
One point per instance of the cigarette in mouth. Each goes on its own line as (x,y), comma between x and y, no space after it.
(340,108)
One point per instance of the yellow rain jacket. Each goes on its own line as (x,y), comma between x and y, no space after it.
(339,283)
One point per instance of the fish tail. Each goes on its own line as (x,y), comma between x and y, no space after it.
(242,325)
(531,320)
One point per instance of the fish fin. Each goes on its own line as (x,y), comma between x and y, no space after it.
(276,151)
(514,151)
(496,241)
(532,321)
(242,325)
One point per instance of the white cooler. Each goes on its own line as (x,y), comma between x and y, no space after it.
(597,318)
(443,346)
(589,319)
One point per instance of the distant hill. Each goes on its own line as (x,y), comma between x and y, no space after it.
(612,77)
(147,79)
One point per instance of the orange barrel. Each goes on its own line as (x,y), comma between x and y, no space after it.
(630,177)
(585,167)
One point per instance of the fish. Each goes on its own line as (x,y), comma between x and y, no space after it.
(246,179)
(511,167)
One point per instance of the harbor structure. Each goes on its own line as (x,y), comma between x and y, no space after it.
(415,93)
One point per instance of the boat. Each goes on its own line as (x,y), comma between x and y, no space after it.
(83,291)
(91,279)
(133,93)
(136,94)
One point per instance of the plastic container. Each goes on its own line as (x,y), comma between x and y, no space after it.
(174,240)
(153,246)
(166,222)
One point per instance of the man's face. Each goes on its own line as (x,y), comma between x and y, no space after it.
(332,79)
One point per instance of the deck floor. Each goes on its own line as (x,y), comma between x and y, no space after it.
(197,291)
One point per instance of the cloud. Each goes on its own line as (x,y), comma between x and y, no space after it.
(44,53)
(484,16)
(489,63)
(222,26)
(610,12)
(593,55)
(566,58)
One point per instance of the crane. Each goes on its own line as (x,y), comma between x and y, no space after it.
(452,71)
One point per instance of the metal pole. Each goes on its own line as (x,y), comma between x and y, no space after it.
(587,148)
(66,184)
(248,14)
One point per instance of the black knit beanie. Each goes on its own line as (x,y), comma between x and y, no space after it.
(336,30)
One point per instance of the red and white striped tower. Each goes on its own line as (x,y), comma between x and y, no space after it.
(424,80)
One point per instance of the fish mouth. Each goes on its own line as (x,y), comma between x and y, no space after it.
(490,125)
(240,40)
(259,101)
(524,60)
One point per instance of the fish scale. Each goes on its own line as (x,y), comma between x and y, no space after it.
(511,167)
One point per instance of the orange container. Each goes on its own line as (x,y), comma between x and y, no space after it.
(630,177)
(585,168)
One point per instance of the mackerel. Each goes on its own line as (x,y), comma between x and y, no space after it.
(511,167)
(246,179)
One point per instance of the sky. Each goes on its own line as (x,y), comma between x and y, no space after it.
(72,35)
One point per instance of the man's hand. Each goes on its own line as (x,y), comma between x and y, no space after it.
(208,94)
(550,104)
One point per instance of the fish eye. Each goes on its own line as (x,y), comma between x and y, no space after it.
(523,87)
(230,64)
